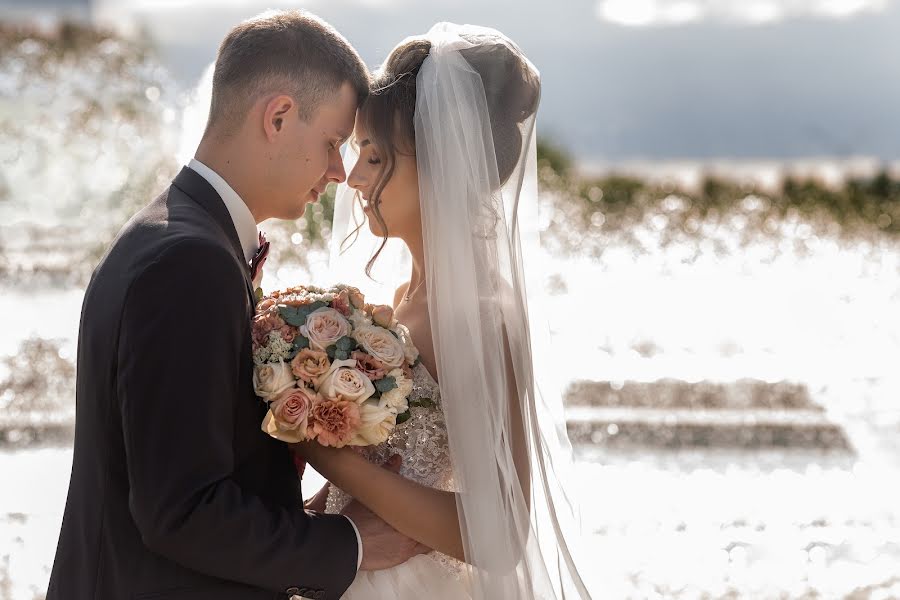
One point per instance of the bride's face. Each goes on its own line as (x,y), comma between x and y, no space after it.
(394,211)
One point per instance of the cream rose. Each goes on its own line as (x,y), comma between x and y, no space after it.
(271,379)
(376,423)
(343,379)
(409,349)
(381,344)
(397,397)
(324,327)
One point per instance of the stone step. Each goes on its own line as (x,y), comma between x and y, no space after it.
(616,428)
(679,394)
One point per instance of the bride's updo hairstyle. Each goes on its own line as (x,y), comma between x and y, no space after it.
(512,90)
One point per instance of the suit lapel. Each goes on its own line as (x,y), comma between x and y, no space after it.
(200,191)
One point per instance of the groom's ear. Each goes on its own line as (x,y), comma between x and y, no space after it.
(276,113)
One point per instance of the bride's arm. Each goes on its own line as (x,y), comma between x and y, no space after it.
(424,514)
(318,502)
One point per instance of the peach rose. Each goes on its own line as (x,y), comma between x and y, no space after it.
(341,303)
(381,344)
(342,379)
(325,327)
(333,422)
(287,419)
(369,366)
(308,365)
(270,379)
(356,298)
(383,315)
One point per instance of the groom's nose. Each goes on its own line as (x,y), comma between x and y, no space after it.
(336,171)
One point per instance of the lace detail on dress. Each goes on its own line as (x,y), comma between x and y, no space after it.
(421,442)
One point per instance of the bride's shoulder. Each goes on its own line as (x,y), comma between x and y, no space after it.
(398,295)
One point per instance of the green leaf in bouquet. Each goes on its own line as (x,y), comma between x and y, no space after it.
(341,354)
(259,294)
(296,315)
(330,351)
(300,343)
(346,344)
(385,384)
(403,417)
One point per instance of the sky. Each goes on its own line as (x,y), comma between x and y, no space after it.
(630,79)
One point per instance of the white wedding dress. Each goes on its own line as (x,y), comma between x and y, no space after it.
(421,441)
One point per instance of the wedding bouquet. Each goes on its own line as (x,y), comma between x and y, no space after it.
(331,367)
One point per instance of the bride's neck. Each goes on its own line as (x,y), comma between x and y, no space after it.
(416,246)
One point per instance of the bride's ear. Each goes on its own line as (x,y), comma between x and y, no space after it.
(275,115)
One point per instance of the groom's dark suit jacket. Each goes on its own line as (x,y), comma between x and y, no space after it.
(175,491)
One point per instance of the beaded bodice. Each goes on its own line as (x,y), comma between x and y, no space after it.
(421,441)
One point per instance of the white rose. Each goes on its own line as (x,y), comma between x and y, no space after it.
(324,327)
(376,423)
(271,379)
(397,397)
(359,318)
(381,344)
(344,379)
(409,349)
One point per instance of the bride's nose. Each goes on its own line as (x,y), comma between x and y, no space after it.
(355,178)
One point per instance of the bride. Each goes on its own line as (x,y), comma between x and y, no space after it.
(447,166)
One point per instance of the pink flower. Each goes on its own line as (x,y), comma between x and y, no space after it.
(356,298)
(291,408)
(333,422)
(310,364)
(288,333)
(368,365)
(341,303)
(263,323)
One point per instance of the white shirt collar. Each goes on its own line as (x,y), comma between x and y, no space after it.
(241,216)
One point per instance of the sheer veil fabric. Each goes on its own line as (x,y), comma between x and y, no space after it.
(477,96)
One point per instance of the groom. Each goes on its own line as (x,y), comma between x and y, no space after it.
(176,493)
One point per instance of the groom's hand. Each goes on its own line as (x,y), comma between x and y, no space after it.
(383,546)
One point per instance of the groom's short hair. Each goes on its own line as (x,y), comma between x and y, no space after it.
(291,51)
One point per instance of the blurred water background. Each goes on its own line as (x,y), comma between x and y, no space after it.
(730,325)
